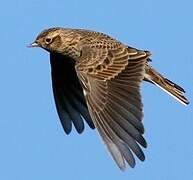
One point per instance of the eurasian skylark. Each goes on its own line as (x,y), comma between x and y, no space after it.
(97,79)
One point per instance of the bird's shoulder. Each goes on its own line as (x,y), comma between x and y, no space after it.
(99,40)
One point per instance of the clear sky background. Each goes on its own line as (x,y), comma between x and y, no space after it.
(33,145)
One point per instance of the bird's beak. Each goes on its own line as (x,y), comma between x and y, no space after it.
(34,44)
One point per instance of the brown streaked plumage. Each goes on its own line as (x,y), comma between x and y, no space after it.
(97,79)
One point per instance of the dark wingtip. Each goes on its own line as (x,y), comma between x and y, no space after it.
(142,157)
(80,130)
(143,143)
(132,165)
(90,123)
(66,122)
(67,132)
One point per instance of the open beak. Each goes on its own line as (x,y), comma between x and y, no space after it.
(34,44)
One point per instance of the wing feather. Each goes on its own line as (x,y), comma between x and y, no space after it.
(114,100)
(68,94)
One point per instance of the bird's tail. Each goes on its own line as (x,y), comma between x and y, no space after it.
(165,84)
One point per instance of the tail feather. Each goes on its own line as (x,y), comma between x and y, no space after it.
(166,85)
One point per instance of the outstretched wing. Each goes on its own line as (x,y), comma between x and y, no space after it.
(111,80)
(68,94)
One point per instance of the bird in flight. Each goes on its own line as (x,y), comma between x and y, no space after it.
(97,79)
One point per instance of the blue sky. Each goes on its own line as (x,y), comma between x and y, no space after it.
(33,145)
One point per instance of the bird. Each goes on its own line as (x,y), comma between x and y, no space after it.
(97,79)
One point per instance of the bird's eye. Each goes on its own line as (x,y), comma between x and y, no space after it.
(48,40)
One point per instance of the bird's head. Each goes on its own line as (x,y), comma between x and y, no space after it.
(58,40)
(49,39)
